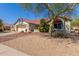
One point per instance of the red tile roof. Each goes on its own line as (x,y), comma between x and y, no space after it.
(33,21)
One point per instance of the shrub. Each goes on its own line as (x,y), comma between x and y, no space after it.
(75,22)
(44,27)
(61,34)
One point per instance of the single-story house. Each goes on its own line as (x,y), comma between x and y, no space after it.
(7,26)
(26,25)
(62,24)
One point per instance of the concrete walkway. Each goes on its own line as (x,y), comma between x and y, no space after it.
(8,51)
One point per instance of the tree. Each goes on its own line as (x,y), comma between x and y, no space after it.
(54,10)
(75,22)
(43,27)
(1,25)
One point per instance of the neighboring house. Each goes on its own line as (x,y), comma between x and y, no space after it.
(7,26)
(26,25)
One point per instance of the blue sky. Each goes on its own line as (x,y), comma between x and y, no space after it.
(10,12)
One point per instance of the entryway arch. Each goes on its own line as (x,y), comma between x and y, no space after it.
(58,24)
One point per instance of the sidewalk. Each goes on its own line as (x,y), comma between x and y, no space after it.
(8,51)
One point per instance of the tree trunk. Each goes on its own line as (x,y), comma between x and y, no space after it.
(50,28)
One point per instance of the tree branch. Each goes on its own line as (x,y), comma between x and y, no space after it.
(46,5)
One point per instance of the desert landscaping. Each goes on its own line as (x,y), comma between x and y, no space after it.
(41,44)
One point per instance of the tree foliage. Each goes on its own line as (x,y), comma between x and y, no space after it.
(52,8)
(75,22)
(1,25)
(43,27)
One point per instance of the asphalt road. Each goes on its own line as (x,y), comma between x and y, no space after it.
(5,34)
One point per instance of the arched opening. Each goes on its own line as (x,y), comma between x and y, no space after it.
(58,24)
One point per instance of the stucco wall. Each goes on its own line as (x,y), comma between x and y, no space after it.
(67,26)
(22,29)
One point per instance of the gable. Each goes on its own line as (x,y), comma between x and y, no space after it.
(20,22)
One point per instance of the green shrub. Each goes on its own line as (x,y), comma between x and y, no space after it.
(75,22)
(44,27)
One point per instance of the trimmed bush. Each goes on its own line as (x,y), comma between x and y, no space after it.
(44,27)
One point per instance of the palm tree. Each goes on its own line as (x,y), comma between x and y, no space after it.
(54,10)
(1,25)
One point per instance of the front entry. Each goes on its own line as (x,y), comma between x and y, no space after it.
(58,24)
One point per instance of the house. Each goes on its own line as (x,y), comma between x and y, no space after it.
(7,27)
(26,25)
(62,24)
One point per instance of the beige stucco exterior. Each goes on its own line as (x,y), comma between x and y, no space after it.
(67,26)
(22,29)
(28,27)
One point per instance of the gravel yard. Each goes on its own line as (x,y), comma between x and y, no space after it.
(38,44)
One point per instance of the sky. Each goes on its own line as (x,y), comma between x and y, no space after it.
(10,12)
